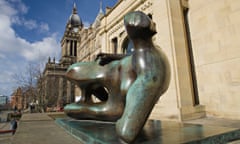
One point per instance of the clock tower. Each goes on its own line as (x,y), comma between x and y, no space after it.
(71,38)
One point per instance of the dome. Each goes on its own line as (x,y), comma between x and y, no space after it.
(74,18)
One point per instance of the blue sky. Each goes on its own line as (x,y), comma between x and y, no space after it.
(31,30)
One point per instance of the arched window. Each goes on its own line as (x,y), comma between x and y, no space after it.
(114,44)
(75,48)
(71,48)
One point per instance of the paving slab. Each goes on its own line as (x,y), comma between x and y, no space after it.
(35,117)
(39,128)
(213,121)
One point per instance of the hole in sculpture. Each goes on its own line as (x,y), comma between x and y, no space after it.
(99,94)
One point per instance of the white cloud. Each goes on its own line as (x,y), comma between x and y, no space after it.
(22,8)
(30,24)
(6,9)
(44,27)
(16,51)
(16,12)
(16,20)
(10,42)
(39,49)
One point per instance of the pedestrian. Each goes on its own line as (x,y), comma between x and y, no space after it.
(15,108)
(14,125)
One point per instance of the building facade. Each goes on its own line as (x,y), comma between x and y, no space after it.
(3,100)
(22,97)
(17,99)
(4,103)
(201,41)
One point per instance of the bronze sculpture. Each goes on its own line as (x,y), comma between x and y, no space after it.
(128,87)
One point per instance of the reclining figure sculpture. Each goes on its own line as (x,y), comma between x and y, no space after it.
(128,87)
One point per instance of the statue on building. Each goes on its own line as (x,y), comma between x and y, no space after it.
(127,86)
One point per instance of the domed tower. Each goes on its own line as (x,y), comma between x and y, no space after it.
(74,20)
(71,38)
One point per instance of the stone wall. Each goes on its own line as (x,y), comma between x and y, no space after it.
(215,33)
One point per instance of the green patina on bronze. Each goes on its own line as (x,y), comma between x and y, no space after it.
(134,83)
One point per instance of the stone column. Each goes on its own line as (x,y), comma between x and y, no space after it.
(182,72)
(64,47)
(68,47)
(60,97)
(73,44)
(68,92)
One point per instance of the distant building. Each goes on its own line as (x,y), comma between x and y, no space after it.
(3,100)
(4,103)
(17,99)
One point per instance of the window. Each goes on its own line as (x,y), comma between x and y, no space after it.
(75,48)
(191,58)
(114,44)
(71,48)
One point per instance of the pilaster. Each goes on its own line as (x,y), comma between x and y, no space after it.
(182,71)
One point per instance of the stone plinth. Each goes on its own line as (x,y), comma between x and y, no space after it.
(154,132)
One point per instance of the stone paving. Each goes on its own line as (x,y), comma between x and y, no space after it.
(5,138)
(4,126)
(216,122)
(39,128)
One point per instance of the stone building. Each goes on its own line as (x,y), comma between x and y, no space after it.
(54,88)
(201,40)
(17,99)
(22,97)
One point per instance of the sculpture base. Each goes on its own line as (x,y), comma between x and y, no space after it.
(154,132)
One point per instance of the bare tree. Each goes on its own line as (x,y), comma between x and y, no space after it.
(27,82)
